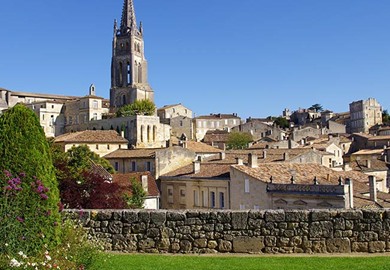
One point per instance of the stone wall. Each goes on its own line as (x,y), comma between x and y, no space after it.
(271,231)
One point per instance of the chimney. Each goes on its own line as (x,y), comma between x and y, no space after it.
(372,185)
(122,134)
(285,156)
(349,183)
(222,155)
(252,160)
(264,154)
(145,184)
(368,164)
(346,167)
(239,161)
(196,166)
(328,177)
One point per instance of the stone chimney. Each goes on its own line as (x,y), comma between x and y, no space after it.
(286,156)
(372,185)
(222,155)
(196,164)
(264,154)
(349,183)
(252,160)
(239,161)
(368,163)
(145,184)
(122,134)
(346,167)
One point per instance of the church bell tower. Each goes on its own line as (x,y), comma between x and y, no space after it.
(129,69)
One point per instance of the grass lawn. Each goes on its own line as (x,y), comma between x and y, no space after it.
(225,262)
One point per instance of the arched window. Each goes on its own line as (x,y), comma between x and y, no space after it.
(154,133)
(142,133)
(120,71)
(128,73)
(124,100)
(149,133)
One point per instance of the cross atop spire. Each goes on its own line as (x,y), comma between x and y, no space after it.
(128,22)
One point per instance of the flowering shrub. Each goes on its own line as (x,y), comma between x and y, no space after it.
(23,226)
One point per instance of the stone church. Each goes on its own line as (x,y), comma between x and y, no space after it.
(129,82)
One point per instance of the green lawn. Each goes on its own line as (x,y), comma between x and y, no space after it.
(226,262)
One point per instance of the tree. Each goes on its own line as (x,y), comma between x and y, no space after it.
(281,122)
(75,161)
(385,117)
(239,140)
(139,107)
(316,107)
(26,160)
(137,198)
(93,193)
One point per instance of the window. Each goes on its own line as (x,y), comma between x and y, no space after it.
(148,166)
(94,116)
(212,199)
(108,146)
(196,198)
(116,166)
(133,166)
(170,194)
(97,147)
(204,199)
(221,200)
(246,185)
(95,104)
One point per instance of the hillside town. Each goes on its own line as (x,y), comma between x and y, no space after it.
(304,158)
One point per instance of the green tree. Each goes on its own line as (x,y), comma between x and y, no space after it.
(385,117)
(281,122)
(76,161)
(25,155)
(239,140)
(139,107)
(316,107)
(137,198)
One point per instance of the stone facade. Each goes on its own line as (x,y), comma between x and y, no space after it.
(269,231)
(364,115)
(214,122)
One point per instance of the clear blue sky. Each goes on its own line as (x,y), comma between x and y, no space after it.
(251,57)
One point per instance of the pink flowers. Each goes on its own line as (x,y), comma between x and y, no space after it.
(20,219)
(40,189)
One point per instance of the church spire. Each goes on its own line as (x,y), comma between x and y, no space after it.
(128,22)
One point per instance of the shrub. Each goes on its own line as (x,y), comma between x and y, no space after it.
(29,192)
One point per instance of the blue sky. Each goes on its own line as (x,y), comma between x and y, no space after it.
(251,57)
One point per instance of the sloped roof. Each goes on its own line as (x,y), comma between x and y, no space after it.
(199,147)
(207,170)
(124,181)
(303,173)
(218,116)
(131,153)
(91,136)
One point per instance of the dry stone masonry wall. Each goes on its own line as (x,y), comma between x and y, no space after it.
(270,231)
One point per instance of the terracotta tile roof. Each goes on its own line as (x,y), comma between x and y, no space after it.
(303,173)
(376,165)
(218,116)
(207,170)
(132,153)
(272,155)
(91,136)
(124,181)
(368,152)
(199,147)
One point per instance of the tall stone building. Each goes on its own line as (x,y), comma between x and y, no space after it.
(129,69)
(364,115)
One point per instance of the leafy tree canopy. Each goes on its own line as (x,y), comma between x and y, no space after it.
(281,122)
(316,107)
(239,140)
(137,198)
(139,107)
(385,117)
